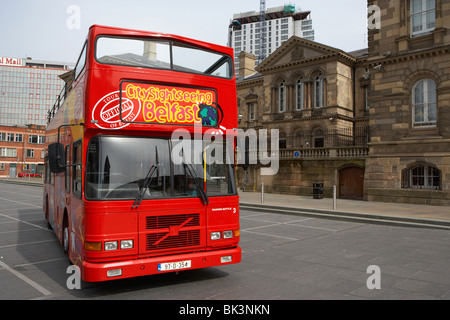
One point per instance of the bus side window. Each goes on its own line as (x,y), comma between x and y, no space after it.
(77,173)
(67,173)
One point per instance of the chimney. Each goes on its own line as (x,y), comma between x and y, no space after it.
(246,64)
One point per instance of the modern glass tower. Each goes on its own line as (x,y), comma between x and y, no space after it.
(27,90)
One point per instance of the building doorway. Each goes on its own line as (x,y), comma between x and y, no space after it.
(351,183)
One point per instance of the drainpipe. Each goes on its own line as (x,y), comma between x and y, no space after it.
(354,102)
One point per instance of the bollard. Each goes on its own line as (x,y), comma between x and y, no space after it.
(334,197)
(262,193)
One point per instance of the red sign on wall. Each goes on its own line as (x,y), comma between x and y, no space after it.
(10,62)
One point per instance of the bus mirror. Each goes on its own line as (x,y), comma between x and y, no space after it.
(56,157)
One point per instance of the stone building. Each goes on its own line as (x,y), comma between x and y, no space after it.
(409,98)
(374,123)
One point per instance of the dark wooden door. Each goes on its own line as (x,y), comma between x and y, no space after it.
(351,183)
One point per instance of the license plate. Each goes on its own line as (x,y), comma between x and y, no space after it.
(174,265)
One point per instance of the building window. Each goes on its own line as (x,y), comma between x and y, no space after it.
(318,91)
(251,112)
(421,176)
(423,16)
(366,97)
(300,94)
(8,152)
(30,153)
(282,142)
(36,139)
(282,97)
(424,103)
(319,138)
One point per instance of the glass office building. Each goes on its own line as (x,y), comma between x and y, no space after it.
(28,88)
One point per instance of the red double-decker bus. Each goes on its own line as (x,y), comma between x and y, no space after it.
(139,175)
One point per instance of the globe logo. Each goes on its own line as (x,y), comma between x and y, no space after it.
(209,115)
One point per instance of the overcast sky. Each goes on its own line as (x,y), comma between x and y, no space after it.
(39,28)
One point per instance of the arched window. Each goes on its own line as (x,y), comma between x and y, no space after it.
(299,137)
(424,103)
(300,94)
(421,176)
(318,138)
(318,91)
(282,97)
(282,142)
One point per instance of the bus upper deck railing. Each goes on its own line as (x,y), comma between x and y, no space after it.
(59,101)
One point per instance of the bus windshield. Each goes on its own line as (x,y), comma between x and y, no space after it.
(162,54)
(131,168)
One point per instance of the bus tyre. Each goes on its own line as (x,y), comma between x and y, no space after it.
(66,239)
(49,226)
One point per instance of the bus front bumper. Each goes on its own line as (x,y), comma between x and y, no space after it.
(96,272)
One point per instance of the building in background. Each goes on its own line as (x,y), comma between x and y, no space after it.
(375,123)
(28,88)
(21,150)
(281,23)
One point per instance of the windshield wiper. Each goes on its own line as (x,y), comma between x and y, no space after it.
(148,179)
(190,169)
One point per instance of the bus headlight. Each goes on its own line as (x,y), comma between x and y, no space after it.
(111,245)
(215,235)
(126,244)
(228,234)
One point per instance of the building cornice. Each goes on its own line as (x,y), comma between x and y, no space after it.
(408,56)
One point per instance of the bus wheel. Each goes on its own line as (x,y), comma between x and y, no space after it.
(66,239)
(65,234)
(49,226)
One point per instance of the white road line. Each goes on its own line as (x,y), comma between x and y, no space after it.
(290,223)
(39,262)
(293,221)
(26,204)
(26,222)
(268,225)
(25,244)
(21,276)
(318,228)
(16,231)
(271,235)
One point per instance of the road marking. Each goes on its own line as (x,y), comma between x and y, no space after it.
(39,262)
(289,223)
(25,244)
(26,204)
(26,222)
(318,228)
(270,235)
(21,276)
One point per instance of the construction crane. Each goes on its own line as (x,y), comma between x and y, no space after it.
(262,30)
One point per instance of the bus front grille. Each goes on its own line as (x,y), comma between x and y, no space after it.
(159,241)
(172,232)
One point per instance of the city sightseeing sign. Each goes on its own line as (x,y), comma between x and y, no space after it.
(157,104)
